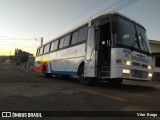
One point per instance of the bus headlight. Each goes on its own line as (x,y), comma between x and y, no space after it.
(150,74)
(126,71)
(149,67)
(128,62)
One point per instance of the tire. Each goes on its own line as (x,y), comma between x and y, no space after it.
(44,74)
(66,76)
(83,80)
(115,82)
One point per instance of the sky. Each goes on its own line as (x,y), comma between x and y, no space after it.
(23,21)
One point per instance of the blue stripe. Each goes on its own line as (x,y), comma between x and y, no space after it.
(64,72)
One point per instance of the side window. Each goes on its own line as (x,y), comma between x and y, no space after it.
(41,51)
(46,48)
(54,45)
(37,52)
(66,40)
(74,37)
(82,34)
(61,43)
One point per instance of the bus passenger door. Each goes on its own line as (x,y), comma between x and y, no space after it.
(89,67)
(104,50)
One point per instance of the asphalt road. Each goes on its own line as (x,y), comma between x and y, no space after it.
(23,90)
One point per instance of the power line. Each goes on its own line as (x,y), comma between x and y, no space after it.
(5,38)
(83,12)
(18,42)
(116,3)
(117,6)
(10,38)
(124,5)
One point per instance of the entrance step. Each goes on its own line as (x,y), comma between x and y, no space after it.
(105,68)
(104,73)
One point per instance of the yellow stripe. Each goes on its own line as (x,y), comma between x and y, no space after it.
(102,95)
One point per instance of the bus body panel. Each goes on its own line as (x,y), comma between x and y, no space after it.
(137,64)
(46,62)
(38,64)
(42,61)
(90,58)
(67,61)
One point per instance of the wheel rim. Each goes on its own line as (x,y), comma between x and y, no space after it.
(82,77)
(44,72)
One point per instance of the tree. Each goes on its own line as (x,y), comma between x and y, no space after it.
(21,56)
(24,57)
(15,55)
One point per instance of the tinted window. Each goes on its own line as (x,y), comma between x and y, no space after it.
(54,45)
(143,39)
(74,37)
(82,34)
(41,51)
(46,49)
(66,40)
(157,62)
(61,42)
(126,33)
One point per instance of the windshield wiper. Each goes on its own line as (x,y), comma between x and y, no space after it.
(144,45)
(134,43)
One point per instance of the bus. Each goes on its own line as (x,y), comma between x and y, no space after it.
(109,47)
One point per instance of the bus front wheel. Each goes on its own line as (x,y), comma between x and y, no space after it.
(83,80)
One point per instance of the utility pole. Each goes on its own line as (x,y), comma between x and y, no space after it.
(42,41)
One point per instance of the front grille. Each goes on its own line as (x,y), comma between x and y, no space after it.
(135,64)
(139,65)
(144,66)
(139,59)
(139,74)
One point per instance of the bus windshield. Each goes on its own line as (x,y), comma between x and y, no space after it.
(130,34)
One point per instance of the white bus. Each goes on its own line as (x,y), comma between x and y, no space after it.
(110,47)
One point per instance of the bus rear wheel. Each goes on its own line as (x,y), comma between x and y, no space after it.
(83,80)
(45,74)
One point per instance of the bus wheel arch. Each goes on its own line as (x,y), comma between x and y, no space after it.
(83,80)
(44,72)
(79,67)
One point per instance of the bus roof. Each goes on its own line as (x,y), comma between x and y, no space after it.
(92,20)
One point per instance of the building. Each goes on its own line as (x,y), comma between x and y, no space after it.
(30,62)
(155,49)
